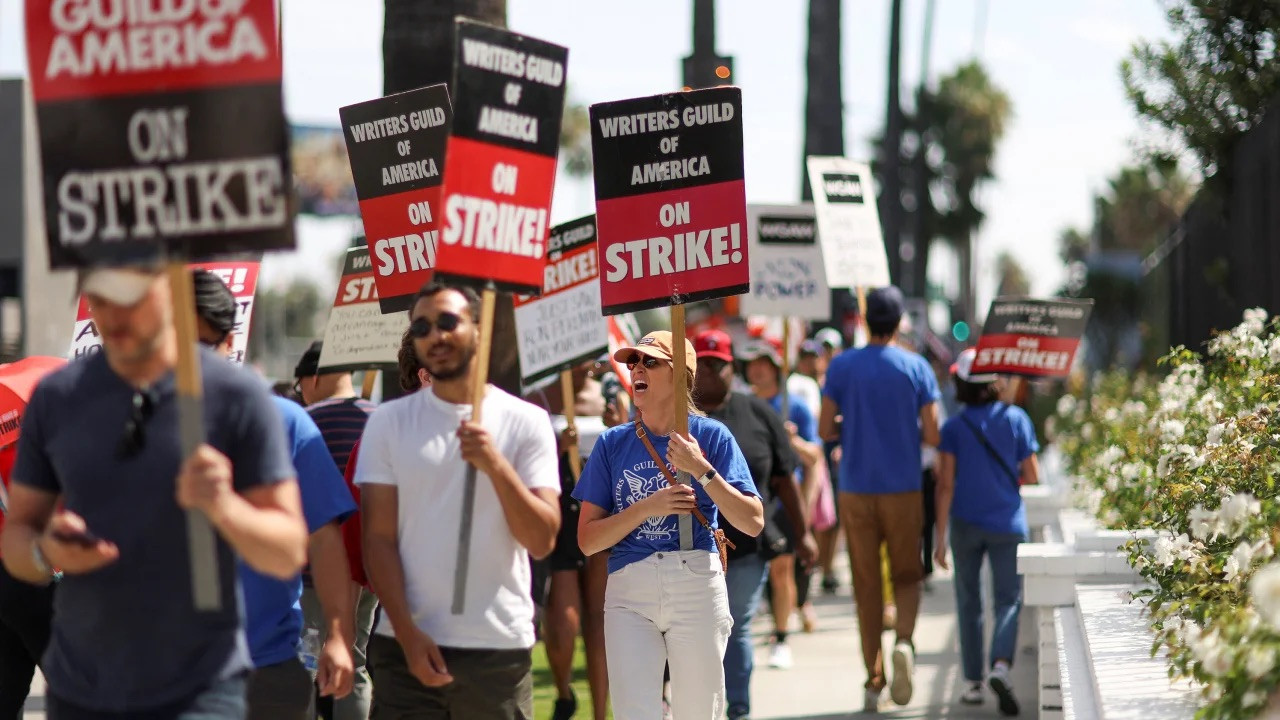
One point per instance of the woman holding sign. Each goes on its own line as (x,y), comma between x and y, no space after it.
(665,601)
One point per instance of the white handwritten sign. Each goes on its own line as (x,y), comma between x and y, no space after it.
(359,336)
(848,223)
(787,274)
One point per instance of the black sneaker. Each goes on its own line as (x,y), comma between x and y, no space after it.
(566,708)
(830,585)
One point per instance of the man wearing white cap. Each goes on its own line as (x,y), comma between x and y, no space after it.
(94,496)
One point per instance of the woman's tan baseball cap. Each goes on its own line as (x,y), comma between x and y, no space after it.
(657,344)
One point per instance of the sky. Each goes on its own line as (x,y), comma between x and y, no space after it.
(1058,62)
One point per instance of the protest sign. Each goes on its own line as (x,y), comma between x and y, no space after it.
(787,274)
(397,145)
(240,277)
(1031,338)
(564,326)
(159,125)
(670,198)
(844,199)
(359,336)
(501,162)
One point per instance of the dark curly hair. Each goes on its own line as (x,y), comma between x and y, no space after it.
(407,360)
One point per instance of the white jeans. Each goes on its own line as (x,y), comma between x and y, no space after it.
(670,608)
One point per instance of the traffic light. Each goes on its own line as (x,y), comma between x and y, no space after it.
(960,331)
(707,70)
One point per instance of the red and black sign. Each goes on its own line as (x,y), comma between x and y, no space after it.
(1034,338)
(670,199)
(397,145)
(501,163)
(160,124)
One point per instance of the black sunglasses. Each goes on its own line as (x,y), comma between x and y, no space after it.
(648,361)
(422,327)
(142,407)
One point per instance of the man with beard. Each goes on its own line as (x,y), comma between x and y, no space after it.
(432,656)
(766,445)
(94,495)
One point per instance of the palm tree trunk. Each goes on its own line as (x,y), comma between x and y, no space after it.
(824,104)
(417,50)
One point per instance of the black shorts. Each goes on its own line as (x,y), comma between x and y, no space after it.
(567,555)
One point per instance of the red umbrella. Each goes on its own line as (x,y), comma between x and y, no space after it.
(17,381)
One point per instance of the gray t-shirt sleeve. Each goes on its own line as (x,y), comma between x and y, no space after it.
(32,467)
(259,450)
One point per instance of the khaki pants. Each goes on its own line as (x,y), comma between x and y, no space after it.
(894,519)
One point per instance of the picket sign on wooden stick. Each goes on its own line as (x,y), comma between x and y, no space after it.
(786,368)
(203,548)
(862,306)
(570,399)
(479,378)
(678,369)
(370,379)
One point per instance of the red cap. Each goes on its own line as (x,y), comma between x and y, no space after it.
(714,344)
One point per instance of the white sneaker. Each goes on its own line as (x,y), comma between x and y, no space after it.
(972,694)
(998,680)
(780,656)
(904,665)
(871,701)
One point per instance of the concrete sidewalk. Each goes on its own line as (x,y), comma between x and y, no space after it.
(826,682)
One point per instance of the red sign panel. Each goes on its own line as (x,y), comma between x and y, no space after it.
(670,199)
(160,124)
(500,168)
(397,145)
(1033,338)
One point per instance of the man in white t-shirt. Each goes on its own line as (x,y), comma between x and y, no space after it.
(457,626)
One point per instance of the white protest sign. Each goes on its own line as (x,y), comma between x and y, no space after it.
(565,325)
(240,277)
(359,336)
(787,274)
(848,223)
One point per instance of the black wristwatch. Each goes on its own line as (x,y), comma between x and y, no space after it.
(707,477)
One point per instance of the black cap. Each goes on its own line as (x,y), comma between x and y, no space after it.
(214,302)
(309,364)
(885,305)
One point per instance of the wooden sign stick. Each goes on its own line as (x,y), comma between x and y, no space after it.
(479,378)
(206,588)
(786,368)
(370,379)
(570,399)
(862,307)
(681,425)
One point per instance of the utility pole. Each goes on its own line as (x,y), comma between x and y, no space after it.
(704,68)
(891,178)
(915,255)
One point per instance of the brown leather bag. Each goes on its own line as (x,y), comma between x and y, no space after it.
(721,540)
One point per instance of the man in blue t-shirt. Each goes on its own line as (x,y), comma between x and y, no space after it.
(887,399)
(280,687)
(94,495)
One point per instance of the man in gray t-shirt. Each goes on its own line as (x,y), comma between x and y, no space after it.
(99,492)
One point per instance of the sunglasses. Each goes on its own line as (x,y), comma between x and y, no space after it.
(648,361)
(715,365)
(142,407)
(422,327)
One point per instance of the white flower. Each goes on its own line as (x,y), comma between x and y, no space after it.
(1215,435)
(1204,523)
(1273,351)
(1112,482)
(1131,471)
(1237,509)
(1243,556)
(1111,415)
(1264,588)
(1066,405)
(1171,430)
(1164,551)
(1174,624)
(1260,661)
(1162,466)
(1086,431)
(1231,569)
(1109,457)
(1213,654)
(1254,319)
(1134,407)
(1253,699)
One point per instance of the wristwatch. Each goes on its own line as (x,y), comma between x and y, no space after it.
(707,477)
(39,560)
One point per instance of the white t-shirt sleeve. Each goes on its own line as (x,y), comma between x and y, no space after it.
(373,465)
(536,461)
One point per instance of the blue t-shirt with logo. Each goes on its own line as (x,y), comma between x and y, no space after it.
(986,495)
(273,608)
(621,472)
(880,390)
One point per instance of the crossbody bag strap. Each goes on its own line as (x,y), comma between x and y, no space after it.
(666,472)
(991,450)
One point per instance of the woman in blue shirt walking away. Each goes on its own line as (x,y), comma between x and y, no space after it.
(987,452)
(665,600)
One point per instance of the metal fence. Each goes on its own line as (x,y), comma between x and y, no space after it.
(1224,254)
